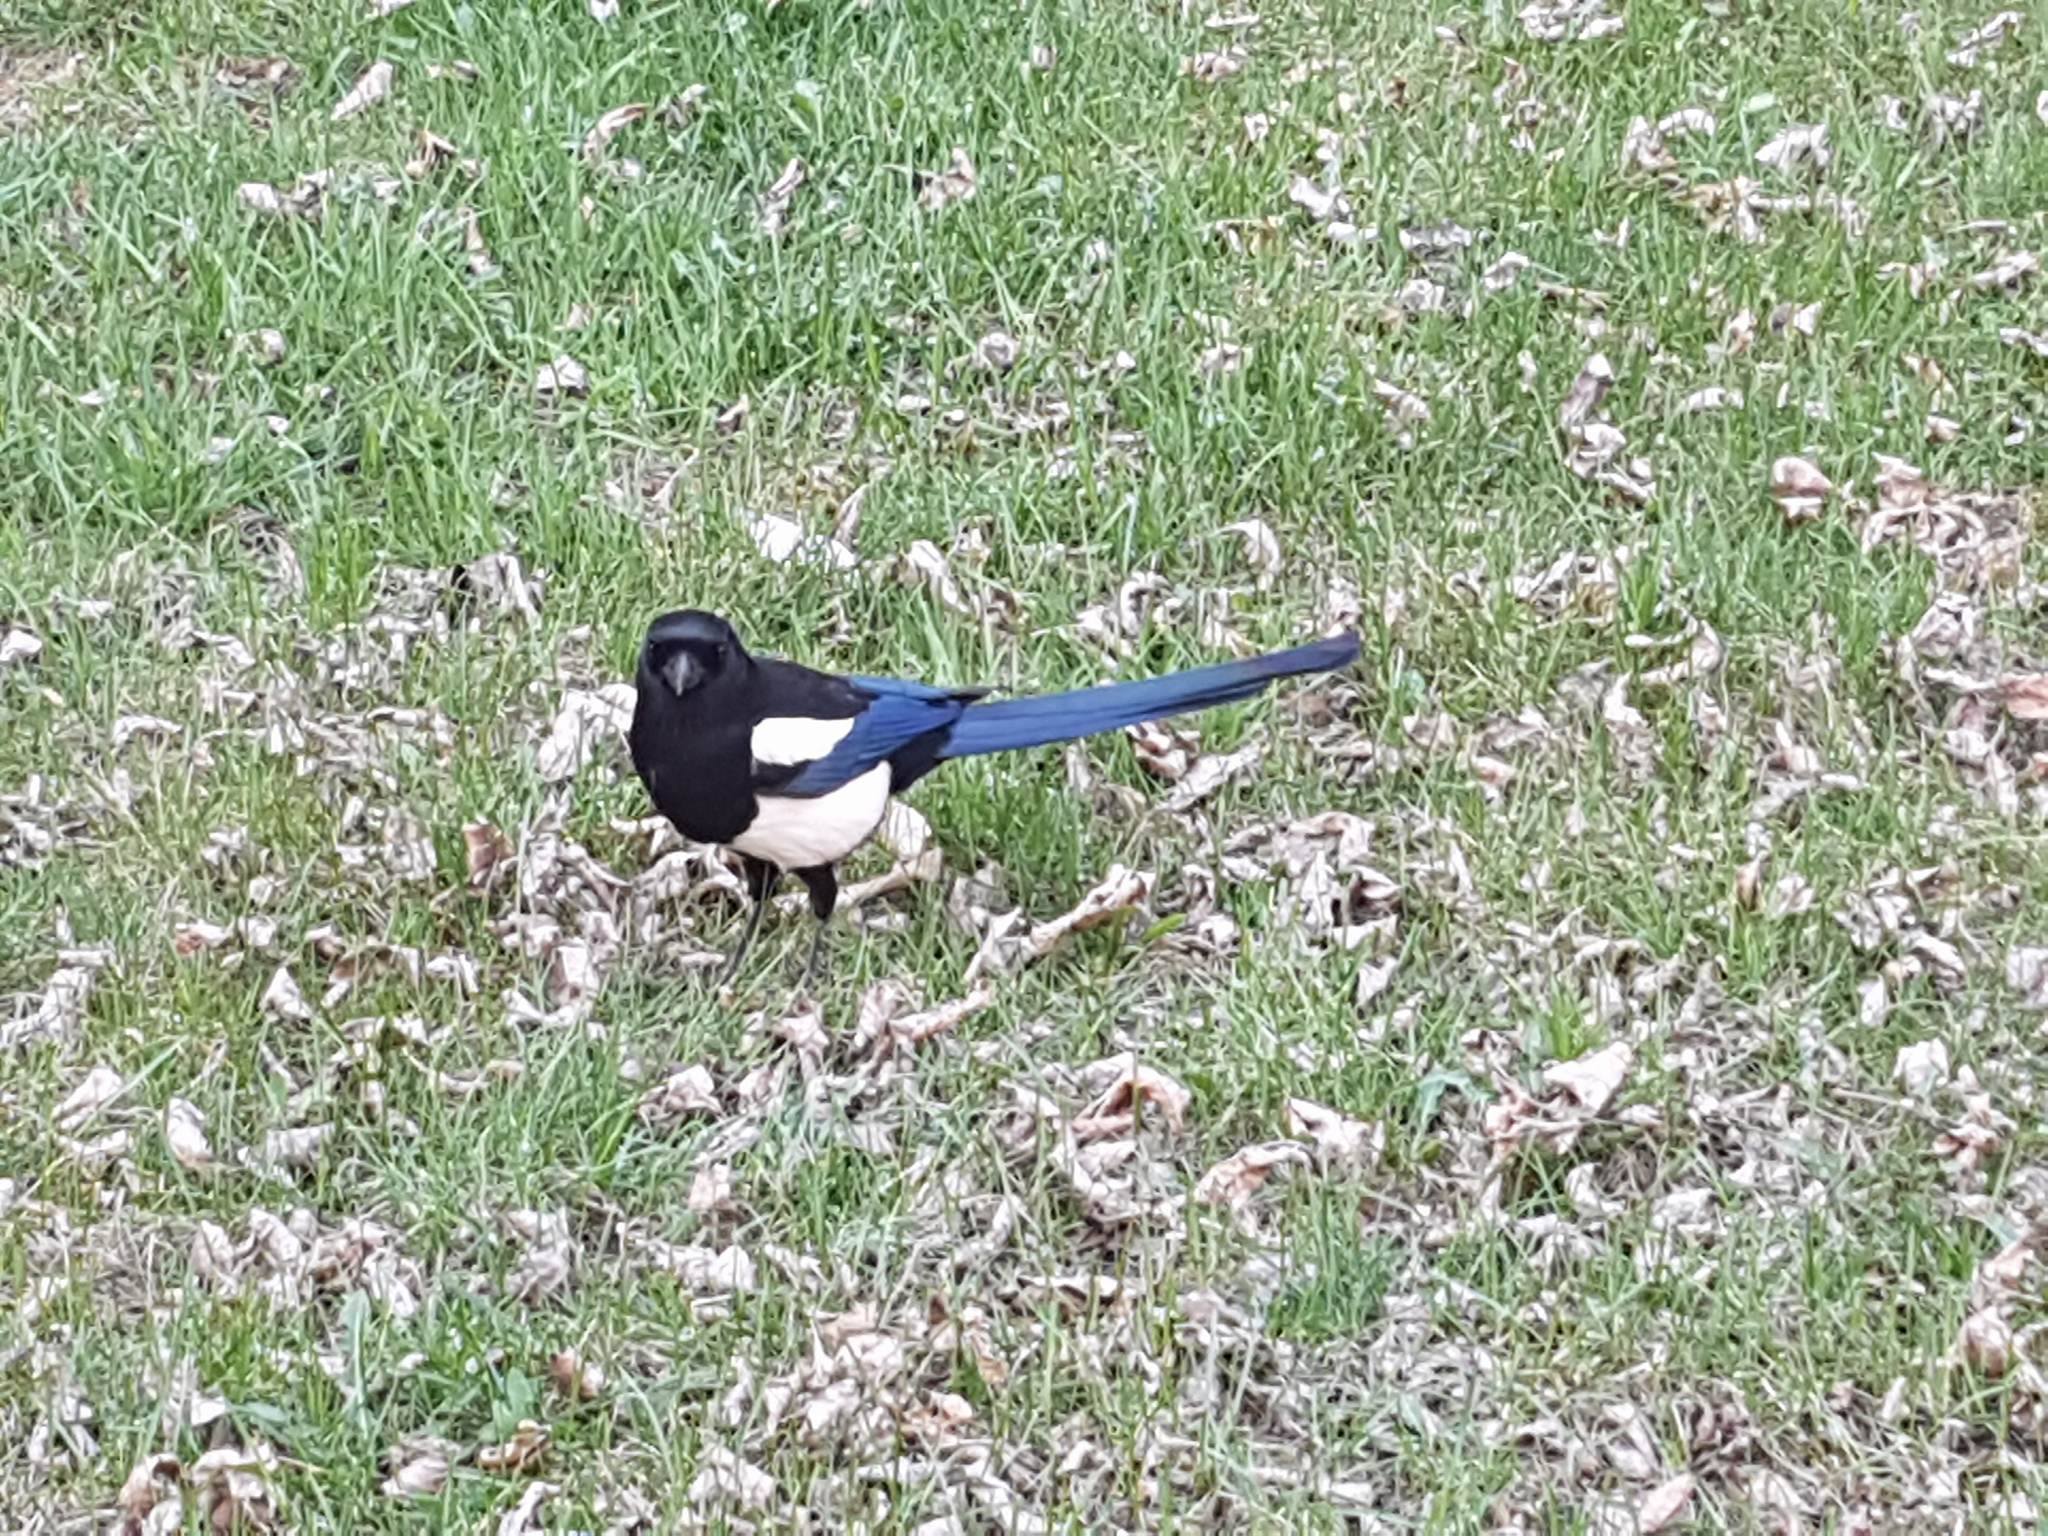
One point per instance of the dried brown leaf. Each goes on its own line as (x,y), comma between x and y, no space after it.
(957,183)
(1118,892)
(1984,39)
(688,1091)
(574,1377)
(1594,1078)
(371,88)
(608,127)
(563,376)
(723,1478)
(1663,1505)
(524,1452)
(1131,1085)
(524,1518)
(1799,146)
(1232,1182)
(1210,773)
(1340,1141)
(2024,695)
(486,852)
(1589,389)
(282,998)
(95,1091)
(1799,488)
(1985,1343)
(185,1134)
(417,1477)
(1215,67)
(1922,1068)
(1563,21)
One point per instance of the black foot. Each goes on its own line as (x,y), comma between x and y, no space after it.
(761,880)
(824,888)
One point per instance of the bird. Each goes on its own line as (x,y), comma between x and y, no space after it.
(793,769)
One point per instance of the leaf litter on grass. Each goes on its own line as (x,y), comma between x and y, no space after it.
(1682,906)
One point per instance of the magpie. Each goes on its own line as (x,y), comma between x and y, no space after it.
(793,769)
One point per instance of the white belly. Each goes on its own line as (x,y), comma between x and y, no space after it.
(793,833)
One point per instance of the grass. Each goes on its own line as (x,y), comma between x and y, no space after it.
(1749,1268)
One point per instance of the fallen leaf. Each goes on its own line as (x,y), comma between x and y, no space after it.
(563,376)
(420,1477)
(574,1377)
(95,1091)
(185,1133)
(1319,203)
(689,1091)
(1223,358)
(19,644)
(522,1453)
(1261,545)
(1210,773)
(1589,389)
(1340,1141)
(1238,1177)
(915,1028)
(1164,750)
(996,352)
(372,88)
(487,852)
(711,1189)
(234,1484)
(584,721)
(1131,1085)
(1114,896)
(1799,488)
(2008,274)
(293,1147)
(2026,972)
(1922,1068)
(1594,1078)
(282,998)
(722,1478)
(1216,67)
(59,1013)
(607,128)
(1662,1505)
(924,564)
(1563,21)
(957,183)
(151,1488)
(523,1518)
(1799,146)
(774,203)
(1985,1343)
(2024,695)
(781,540)
(1988,38)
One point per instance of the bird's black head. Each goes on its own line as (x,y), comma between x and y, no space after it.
(688,648)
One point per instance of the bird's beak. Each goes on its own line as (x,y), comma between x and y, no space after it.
(681,671)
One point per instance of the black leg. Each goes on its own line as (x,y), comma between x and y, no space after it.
(761,878)
(824,888)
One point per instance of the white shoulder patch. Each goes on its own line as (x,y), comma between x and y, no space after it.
(794,739)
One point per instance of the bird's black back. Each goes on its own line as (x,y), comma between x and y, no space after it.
(694,753)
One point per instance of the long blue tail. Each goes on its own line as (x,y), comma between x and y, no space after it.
(1008,724)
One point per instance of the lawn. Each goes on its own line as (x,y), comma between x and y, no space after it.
(1580,1070)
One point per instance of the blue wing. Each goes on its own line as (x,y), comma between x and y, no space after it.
(900,717)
